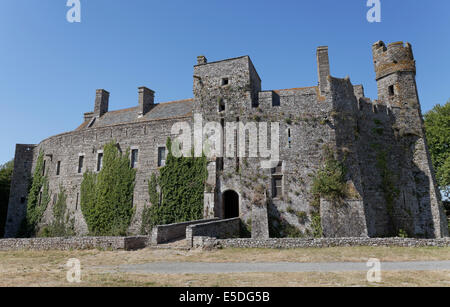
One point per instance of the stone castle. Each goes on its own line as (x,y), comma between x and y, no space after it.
(381,144)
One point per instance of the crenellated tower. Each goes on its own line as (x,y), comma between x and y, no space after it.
(418,207)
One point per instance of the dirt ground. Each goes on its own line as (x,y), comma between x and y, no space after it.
(48,268)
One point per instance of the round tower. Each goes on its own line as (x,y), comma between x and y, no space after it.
(395,70)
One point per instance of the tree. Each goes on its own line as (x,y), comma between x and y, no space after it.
(437,124)
(182,185)
(107,197)
(6,171)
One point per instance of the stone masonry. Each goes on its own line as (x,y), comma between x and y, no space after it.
(381,143)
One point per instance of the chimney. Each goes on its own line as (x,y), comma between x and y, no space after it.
(146,100)
(101,103)
(201,60)
(323,67)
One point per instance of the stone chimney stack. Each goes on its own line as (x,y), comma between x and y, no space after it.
(146,100)
(323,67)
(101,103)
(201,60)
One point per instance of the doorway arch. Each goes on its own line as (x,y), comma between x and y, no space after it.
(231,204)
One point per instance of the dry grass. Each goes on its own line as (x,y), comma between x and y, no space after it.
(32,268)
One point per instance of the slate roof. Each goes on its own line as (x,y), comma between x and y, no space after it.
(166,110)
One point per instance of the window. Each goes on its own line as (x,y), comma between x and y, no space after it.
(391,90)
(58,168)
(99,161)
(277,181)
(225,81)
(22,200)
(161,156)
(80,164)
(134,158)
(279,169)
(221,105)
(43,169)
(289,138)
(76,204)
(277,186)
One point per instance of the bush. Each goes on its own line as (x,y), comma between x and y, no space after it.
(107,197)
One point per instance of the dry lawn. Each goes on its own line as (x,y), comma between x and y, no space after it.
(32,268)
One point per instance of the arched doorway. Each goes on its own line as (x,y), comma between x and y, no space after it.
(231,204)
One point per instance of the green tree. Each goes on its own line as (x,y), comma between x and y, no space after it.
(437,124)
(107,197)
(6,171)
(182,184)
(38,199)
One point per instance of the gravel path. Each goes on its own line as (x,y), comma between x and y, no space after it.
(280,267)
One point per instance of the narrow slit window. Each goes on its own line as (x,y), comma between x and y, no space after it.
(289,138)
(99,161)
(58,168)
(134,158)
(80,164)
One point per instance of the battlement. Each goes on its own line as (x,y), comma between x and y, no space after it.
(395,57)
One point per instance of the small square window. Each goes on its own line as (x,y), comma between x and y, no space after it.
(391,90)
(225,81)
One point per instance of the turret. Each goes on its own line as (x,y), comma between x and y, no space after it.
(395,70)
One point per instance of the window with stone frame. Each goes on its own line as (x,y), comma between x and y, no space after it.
(58,168)
(80,164)
(161,156)
(134,158)
(99,161)
(277,181)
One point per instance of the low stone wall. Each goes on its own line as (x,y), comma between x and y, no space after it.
(166,233)
(219,229)
(75,243)
(207,242)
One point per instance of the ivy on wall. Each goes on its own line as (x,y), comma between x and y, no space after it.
(330,184)
(181,184)
(38,199)
(62,225)
(107,196)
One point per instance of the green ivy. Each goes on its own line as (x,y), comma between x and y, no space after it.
(62,225)
(107,197)
(181,183)
(329,182)
(38,199)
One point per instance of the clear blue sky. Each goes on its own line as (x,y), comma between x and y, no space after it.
(49,68)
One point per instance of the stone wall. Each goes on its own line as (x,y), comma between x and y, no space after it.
(203,242)
(166,233)
(75,243)
(228,228)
